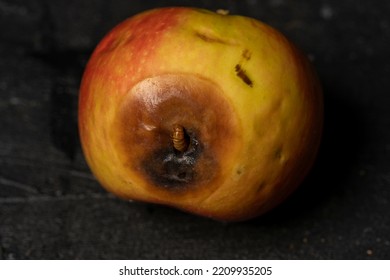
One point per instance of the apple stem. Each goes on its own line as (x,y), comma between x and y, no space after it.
(179,138)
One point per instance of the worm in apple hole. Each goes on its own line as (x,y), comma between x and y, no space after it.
(178,137)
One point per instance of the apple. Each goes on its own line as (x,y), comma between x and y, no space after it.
(214,114)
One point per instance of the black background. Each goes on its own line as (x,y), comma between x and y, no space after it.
(52,208)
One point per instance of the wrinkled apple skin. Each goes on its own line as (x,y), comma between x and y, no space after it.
(248,98)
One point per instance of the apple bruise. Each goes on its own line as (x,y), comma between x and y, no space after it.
(177,132)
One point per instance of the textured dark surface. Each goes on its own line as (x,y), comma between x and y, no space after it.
(52,208)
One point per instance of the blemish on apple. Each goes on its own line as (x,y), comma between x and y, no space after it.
(246,54)
(241,73)
(278,154)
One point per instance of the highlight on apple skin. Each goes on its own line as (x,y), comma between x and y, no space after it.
(217,115)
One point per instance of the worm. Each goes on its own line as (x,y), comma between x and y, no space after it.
(178,137)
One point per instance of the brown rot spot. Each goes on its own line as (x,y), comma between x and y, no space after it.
(177,133)
(242,75)
(210,38)
(246,54)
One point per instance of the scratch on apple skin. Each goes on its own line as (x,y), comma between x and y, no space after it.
(210,39)
(242,75)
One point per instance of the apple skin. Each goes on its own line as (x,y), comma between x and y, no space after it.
(249,100)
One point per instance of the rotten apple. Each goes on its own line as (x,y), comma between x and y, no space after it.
(214,114)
